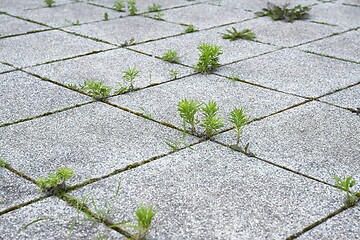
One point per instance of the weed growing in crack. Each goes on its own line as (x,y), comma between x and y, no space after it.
(190,28)
(239,120)
(233,35)
(187,110)
(145,215)
(171,56)
(132,7)
(211,121)
(106,16)
(209,57)
(145,113)
(128,43)
(3,163)
(75,23)
(49,3)
(159,16)
(173,73)
(97,89)
(129,76)
(119,5)
(284,13)
(345,185)
(54,184)
(154,7)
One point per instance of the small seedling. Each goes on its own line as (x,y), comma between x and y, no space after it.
(233,35)
(128,43)
(129,76)
(132,7)
(2,163)
(49,3)
(171,56)
(75,23)
(173,73)
(106,16)
(187,110)
(159,16)
(119,5)
(144,216)
(345,185)
(145,113)
(211,122)
(239,119)
(121,89)
(190,28)
(54,184)
(209,57)
(154,7)
(97,89)
(284,13)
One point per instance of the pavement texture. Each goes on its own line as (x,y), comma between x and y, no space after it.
(298,84)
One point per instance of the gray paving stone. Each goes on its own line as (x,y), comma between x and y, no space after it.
(343,226)
(333,13)
(94,140)
(31,49)
(108,67)
(68,14)
(316,139)
(19,5)
(345,46)
(11,25)
(161,101)
(58,217)
(350,2)
(186,46)
(5,68)
(23,96)
(212,192)
(118,31)
(346,98)
(15,190)
(257,5)
(296,72)
(205,15)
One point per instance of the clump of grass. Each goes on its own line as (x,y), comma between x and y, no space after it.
(233,35)
(132,7)
(145,215)
(171,56)
(284,13)
(97,89)
(209,57)
(129,76)
(190,28)
(49,3)
(239,120)
(154,7)
(54,184)
(119,5)
(345,185)
(187,110)
(211,121)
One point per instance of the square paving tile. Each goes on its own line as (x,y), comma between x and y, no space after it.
(161,101)
(108,67)
(20,5)
(349,97)
(316,139)
(297,72)
(212,192)
(46,46)
(118,31)
(186,46)
(11,26)
(345,46)
(23,96)
(94,140)
(15,190)
(58,217)
(68,14)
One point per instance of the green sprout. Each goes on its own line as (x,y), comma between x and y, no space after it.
(144,216)
(284,13)
(173,73)
(187,110)
(211,122)
(106,16)
(2,163)
(49,3)
(132,7)
(233,35)
(171,56)
(55,183)
(129,76)
(159,16)
(209,57)
(239,119)
(119,5)
(97,89)
(154,7)
(190,28)
(345,185)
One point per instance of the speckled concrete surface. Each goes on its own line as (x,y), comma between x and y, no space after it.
(298,82)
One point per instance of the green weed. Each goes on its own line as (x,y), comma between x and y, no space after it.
(187,110)
(171,56)
(345,185)
(132,7)
(209,57)
(173,73)
(239,120)
(97,89)
(54,184)
(106,16)
(75,23)
(211,122)
(154,7)
(129,76)
(119,5)
(190,28)
(49,3)
(159,16)
(284,13)
(3,163)
(145,215)
(233,35)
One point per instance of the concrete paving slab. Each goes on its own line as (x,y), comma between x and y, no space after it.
(94,140)
(186,46)
(212,192)
(20,5)
(343,226)
(348,98)
(228,94)
(11,26)
(257,5)
(69,14)
(119,31)
(334,13)
(5,68)
(315,139)
(15,190)
(297,72)
(345,46)
(56,225)
(350,2)
(23,96)
(108,67)
(36,48)
(205,15)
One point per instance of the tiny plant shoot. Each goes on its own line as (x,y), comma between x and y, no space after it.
(173,73)
(211,122)
(49,3)
(97,89)
(106,16)
(132,7)
(171,56)
(233,35)
(144,216)
(190,28)
(2,163)
(154,7)
(119,5)
(239,119)
(209,57)
(187,110)
(129,76)
(284,13)
(55,183)
(345,185)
